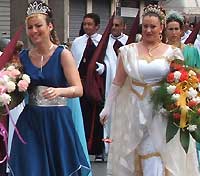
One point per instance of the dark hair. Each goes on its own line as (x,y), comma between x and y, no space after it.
(171,19)
(154,15)
(81,31)
(192,24)
(18,47)
(53,34)
(93,16)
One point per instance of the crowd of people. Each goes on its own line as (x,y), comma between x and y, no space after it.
(62,124)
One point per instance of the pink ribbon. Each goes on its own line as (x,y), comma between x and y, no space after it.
(4,134)
(15,128)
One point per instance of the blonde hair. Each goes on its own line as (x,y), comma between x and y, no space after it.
(53,34)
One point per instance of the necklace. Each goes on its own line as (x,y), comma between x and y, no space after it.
(178,45)
(153,48)
(42,57)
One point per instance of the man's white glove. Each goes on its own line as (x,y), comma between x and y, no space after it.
(100,68)
(106,112)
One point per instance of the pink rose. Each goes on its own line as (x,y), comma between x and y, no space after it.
(22,85)
(2,89)
(14,73)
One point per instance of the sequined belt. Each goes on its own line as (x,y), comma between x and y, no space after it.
(36,98)
(146,87)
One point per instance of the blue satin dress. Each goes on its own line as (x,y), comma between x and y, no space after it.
(53,147)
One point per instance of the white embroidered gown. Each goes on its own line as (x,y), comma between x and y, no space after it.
(136,127)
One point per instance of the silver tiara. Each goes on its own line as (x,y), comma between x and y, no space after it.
(37,7)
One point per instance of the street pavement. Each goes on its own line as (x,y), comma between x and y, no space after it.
(98,168)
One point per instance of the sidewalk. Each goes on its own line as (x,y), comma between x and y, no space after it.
(98,168)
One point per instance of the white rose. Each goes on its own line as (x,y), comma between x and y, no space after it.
(196,99)
(177,75)
(5,98)
(192,93)
(191,73)
(187,107)
(2,81)
(199,87)
(26,78)
(10,68)
(6,78)
(171,89)
(163,111)
(10,86)
(192,128)
(175,97)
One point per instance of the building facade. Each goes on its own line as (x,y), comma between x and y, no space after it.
(68,14)
(5,18)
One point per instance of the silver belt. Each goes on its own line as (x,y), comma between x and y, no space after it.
(36,98)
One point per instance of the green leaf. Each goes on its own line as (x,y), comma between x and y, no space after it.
(196,134)
(161,97)
(171,129)
(184,139)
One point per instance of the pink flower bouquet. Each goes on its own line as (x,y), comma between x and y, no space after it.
(13,84)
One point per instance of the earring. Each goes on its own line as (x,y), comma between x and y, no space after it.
(161,37)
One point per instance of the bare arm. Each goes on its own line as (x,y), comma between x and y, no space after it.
(75,88)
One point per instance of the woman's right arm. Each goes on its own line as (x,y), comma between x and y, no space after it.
(118,82)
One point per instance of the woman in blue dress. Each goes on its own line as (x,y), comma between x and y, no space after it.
(53,147)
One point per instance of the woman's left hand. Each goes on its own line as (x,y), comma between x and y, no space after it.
(51,93)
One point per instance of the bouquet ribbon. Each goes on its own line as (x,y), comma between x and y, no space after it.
(15,128)
(4,134)
(182,103)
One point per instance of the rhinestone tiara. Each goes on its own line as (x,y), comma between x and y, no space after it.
(37,7)
(157,10)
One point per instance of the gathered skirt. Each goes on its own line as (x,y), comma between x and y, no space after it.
(52,147)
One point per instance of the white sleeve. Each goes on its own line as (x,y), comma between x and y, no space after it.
(178,53)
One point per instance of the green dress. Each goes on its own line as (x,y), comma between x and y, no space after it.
(192,58)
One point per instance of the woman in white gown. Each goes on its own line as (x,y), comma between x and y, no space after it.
(139,147)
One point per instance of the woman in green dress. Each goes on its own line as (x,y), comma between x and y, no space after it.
(174,31)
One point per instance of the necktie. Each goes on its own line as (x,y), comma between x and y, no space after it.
(116,46)
(88,50)
(89,42)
